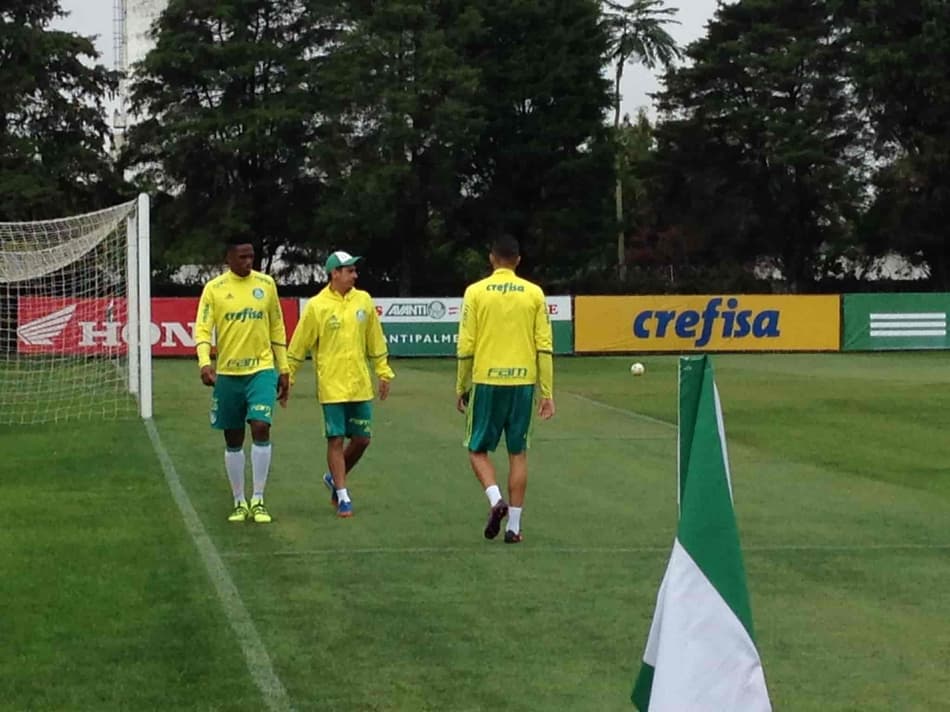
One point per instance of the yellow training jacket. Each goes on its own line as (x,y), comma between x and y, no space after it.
(342,333)
(505,335)
(244,313)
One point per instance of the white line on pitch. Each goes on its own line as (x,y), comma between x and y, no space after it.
(829,548)
(625,411)
(258,661)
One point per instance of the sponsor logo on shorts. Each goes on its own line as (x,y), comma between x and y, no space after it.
(363,424)
(261,409)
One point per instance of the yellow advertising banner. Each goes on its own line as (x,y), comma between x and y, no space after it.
(684,323)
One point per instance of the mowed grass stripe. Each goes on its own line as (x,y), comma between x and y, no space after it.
(273,694)
(589,550)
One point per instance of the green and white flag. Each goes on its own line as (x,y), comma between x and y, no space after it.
(701,652)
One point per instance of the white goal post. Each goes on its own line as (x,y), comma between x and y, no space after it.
(75,317)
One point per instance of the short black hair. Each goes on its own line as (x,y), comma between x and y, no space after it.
(234,242)
(506,247)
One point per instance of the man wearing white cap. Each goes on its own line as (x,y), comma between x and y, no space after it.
(341,329)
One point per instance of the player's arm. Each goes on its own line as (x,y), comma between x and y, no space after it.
(278,334)
(278,344)
(204,328)
(304,340)
(544,346)
(378,352)
(465,353)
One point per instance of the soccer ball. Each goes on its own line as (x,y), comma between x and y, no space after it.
(637,369)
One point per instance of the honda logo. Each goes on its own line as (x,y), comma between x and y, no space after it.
(42,331)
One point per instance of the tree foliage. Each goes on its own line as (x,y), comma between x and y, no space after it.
(900,52)
(53,132)
(409,131)
(405,121)
(543,169)
(229,99)
(757,145)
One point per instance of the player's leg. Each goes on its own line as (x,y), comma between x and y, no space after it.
(483,431)
(261,394)
(227,415)
(359,429)
(334,423)
(336,463)
(517,429)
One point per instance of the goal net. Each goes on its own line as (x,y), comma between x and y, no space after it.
(75,325)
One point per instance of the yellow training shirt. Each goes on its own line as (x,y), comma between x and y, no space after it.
(244,314)
(505,335)
(342,333)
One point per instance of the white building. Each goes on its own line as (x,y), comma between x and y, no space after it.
(133,21)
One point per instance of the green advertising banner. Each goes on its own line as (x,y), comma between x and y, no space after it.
(429,327)
(884,322)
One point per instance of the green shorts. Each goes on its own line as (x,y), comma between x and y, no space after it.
(239,399)
(493,409)
(348,420)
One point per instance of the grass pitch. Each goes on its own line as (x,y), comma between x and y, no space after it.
(841,488)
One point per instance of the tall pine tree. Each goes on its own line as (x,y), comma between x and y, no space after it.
(757,142)
(900,50)
(53,132)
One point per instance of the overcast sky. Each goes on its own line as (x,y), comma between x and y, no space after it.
(95,17)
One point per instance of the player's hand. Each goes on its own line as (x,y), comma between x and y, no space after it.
(283,389)
(461,403)
(546,408)
(208,376)
(383,389)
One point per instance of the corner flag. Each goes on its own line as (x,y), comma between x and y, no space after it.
(701,654)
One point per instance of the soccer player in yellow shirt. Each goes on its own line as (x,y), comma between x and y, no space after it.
(504,350)
(341,328)
(241,308)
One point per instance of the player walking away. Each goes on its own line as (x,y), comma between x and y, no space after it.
(504,349)
(242,308)
(341,329)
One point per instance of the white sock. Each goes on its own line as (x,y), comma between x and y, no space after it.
(493,494)
(514,519)
(234,465)
(343,495)
(260,466)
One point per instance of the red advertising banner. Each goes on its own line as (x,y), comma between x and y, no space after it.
(64,325)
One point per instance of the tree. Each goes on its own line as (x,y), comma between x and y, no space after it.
(545,161)
(455,120)
(759,142)
(230,101)
(404,125)
(899,53)
(53,131)
(637,34)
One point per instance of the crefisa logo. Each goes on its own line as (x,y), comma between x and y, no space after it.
(728,323)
